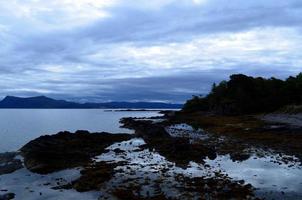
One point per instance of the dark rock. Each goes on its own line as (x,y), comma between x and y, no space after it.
(118,151)
(126,194)
(178,150)
(94,176)
(64,150)
(144,128)
(8,163)
(239,156)
(7,196)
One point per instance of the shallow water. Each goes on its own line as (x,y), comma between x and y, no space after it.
(19,126)
(29,186)
(147,169)
(271,179)
(143,165)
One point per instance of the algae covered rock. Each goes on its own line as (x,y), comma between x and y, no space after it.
(64,150)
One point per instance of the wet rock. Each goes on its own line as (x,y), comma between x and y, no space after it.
(237,156)
(178,150)
(144,127)
(7,196)
(244,132)
(92,177)
(218,187)
(8,163)
(118,151)
(64,150)
(127,194)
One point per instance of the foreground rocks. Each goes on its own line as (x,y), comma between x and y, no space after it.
(178,150)
(239,136)
(134,172)
(64,150)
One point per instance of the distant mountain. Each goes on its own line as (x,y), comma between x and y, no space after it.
(46,102)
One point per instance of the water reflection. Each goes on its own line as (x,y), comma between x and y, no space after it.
(271,178)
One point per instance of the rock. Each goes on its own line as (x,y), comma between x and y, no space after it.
(7,196)
(127,194)
(64,150)
(237,156)
(8,163)
(178,150)
(118,151)
(94,176)
(144,128)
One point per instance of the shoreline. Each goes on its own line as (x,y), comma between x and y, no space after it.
(180,146)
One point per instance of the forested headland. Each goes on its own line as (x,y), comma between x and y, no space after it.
(247,95)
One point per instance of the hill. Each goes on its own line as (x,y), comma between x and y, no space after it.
(49,103)
(248,95)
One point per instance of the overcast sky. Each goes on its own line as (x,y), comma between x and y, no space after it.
(151,50)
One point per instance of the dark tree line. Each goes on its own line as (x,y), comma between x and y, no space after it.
(245,95)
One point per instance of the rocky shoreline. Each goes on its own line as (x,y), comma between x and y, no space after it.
(241,135)
(64,150)
(124,166)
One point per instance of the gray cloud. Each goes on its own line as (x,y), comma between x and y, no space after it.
(159,50)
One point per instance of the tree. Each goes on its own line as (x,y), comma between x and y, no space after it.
(244,95)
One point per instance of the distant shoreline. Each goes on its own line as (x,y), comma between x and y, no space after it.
(105,109)
(43,102)
(141,110)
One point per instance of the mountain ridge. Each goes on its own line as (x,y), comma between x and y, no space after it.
(36,102)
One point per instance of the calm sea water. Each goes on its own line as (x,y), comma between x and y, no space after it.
(19,126)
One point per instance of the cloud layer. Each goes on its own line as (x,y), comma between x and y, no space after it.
(160,50)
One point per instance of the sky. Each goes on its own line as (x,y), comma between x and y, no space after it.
(143,50)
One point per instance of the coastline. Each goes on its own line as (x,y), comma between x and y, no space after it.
(171,148)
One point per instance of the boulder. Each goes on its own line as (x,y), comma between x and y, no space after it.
(64,150)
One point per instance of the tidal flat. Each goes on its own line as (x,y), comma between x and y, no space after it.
(172,157)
